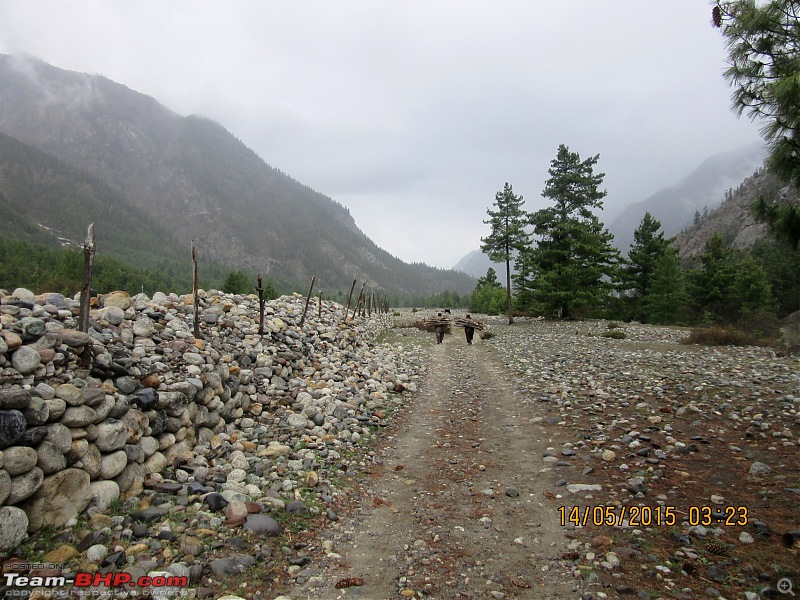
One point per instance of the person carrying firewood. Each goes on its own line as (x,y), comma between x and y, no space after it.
(439,330)
(469,331)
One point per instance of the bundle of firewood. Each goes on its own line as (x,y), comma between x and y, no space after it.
(432,323)
(463,322)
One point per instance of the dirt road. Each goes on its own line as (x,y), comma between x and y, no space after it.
(457,507)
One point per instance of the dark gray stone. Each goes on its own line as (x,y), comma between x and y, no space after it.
(37,412)
(12,427)
(75,339)
(14,529)
(145,398)
(297,507)
(33,436)
(50,459)
(14,398)
(92,396)
(263,524)
(149,515)
(215,502)
(231,566)
(31,328)
(127,385)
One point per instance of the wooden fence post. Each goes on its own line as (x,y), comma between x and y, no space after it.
(347,309)
(194,293)
(86,289)
(260,290)
(355,308)
(308,299)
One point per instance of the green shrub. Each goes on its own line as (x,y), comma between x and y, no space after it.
(727,336)
(616,334)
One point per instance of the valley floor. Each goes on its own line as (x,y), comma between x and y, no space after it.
(549,461)
(454,505)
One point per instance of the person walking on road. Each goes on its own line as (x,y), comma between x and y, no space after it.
(469,331)
(439,330)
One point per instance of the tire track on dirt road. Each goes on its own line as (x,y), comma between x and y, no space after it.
(457,508)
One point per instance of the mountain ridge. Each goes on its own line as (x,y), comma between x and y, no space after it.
(702,188)
(733,219)
(199,182)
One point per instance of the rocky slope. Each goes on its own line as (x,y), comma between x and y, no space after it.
(733,219)
(705,187)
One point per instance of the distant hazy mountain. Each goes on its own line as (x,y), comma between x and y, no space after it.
(705,187)
(180,179)
(476,263)
(733,219)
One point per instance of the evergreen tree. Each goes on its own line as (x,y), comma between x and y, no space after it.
(508,236)
(647,249)
(574,260)
(763,44)
(783,220)
(728,287)
(763,40)
(752,291)
(711,285)
(666,302)
(237,282)
(525,280)
(489,297)
(490,279)
(782,266)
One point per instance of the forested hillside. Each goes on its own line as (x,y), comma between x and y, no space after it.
(192,178)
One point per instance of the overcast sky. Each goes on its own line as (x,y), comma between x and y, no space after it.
(413,113)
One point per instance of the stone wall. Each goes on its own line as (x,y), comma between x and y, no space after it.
(85,419)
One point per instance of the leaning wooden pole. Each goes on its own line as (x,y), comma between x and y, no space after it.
(308,299)
(86,289)
(196,299)
(360,294)
(347,309)
(260,290)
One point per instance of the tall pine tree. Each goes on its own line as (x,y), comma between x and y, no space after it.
(666,300)
(508,236)
(711,284)
(574,260)
(648,248)
(764,60)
